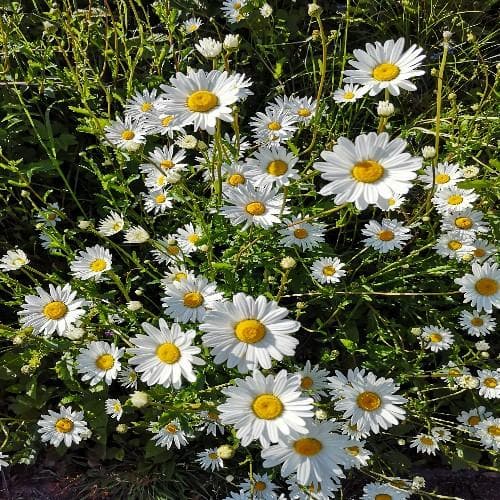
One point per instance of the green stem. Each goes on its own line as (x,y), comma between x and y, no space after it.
(119,284)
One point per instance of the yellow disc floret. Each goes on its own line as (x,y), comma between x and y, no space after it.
(202,101)
(486,286)
(369,401)
(267,406)
(255,208)
(385,72)
(277,168)
(307,446)
(105,362)
(168,353)
(193,299)
(367,171)
(55,310)
(250,331)
(64,425)
(98,265)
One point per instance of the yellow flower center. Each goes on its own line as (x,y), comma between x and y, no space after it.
(255,208)
(212,415)
(193,299)
(349,95)
(166,164)
(161,180)
(476,322)
(105,362)
(274,126)
(165,122)
(300,233)
(304,112)
(442,178)
(306,383)
(435,337)
(173,250)
(160,198)
(383,496)
(267,406)
(235,180)
(260,486)
(307,446)
(329,270)
(146,106)
(486,286)
(171,428)
(490,382)
(18,261)
(454,245)
(193,238)
(213,455)
(250,331)
(385,72)
(202,101)
(455,199)
(180,276)
(51,216)
(473,421)
(192,27)
(98,265)
(117,226)
(64,425)
(117,407)
(454,372)
(368,171)
(277,168)
(369,401)
(128,135)
(464,222)
(168,353)
(494,430)
(352,450)
(55,310)
(391,202)
(479,252)
(427,441)
(386,235)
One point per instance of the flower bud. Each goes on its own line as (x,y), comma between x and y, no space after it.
(314,10)
(288,263)
(231,42)
(134,305)
(84,224)
(385,109)
(428,152)
(139,399)
(25,194)
(226,451)
(122,428)
(321,414)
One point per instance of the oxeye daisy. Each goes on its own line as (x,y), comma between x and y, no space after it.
(489,383)
(483,250)
(111,224)
(274,126)
(266,408)
(356,455)
(127,134)
(467,220)
(54,311)
(272,166)
(163,122)
(248,333)
(381,491)
(65,425)
(445,175)
(248,205)
(305,235)
(141,104)
(338,381)
(392,203)
(91,263)
(192,24)
(157,201)
(452,371)
(165,355)
(235,174)
(454,244)
(164,160)
(488,431)
(169,434)
(385,236)
(371,168)
(477,324)
(209,48)
(176,273)
(350,93)
(231,9)
(209,459)
(50,216)
(211,422)
(201,98)
(136,234)
(471,418)
(441,434)
(437,339)
(261,486)
(167,250)
(328,270)
(301,108)
(482,287)
(114,408)
(425,443)
(99,361)
(313,380)
(453,199)
(385,66)
(188,238)
(156,179)
(128,378)
(371,404)
(13,260)
(353,431)
(189,299)
(321,491)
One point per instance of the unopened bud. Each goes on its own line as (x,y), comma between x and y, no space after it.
(314,10)
(385,109)
(428,152)
(84,224)
(288,263)
(226,451)
(134,305)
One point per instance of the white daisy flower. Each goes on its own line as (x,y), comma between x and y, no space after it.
(192,24)
(453,200)
(165,355)
(272,166)
(338,381)
(114,408)
(128,378)
(381,491)
(313,380)
(488,431)
(169,434)
(471,418)
(327,270)
(166,161)
(142,104)
(188,237)
(425,443)
(385,66)
(305,235)
(65,425)
(111,224)
(266,408)
(209,459)
(54,311)
(477,324)
(357,456)
(322,491)
(99,361)
(208,47)
(301,108)
(467,220)
(251,206)
(483,250)
(371,168)
(201,98)
(3,463)
(235,174)
(387,236)
(353,431)
(446,175)
(482,345)
(489,383)
(163,122)
(451,371)
(127,134)
(157,201)
(314,456)
(274,126)
(371,404)
(13,260)
(167,250)
(176,273)
(454,244)
(482,287)
(441,434)
(50,216)
(231,9)
(156,179)
(211,422)
(392,203)
(249,333)
(136,234)
(91,263)
(266,10)
(468,382)
(261,487)
(231,42)
(436,338)
(350,93)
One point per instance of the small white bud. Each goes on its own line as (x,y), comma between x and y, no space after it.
(139,399)
(321,414)
(134,305)
(385,109)
(288,263)
(482,345)
(447,35)
(428,152)
(225,451)
(231,42)
(84,224)
(266,10)
(314,10)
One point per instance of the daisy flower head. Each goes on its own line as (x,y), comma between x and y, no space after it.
(135,235)
(452,371)
(55,311)
(126,134)
(436,338)
(200,98)
(467,220)
(157,179)
(488,431)
(338,381)
(445,175)
(231,42)
(192,24)
(322,491)
(370,169)
(483,250)
(49,216)
(211,422)
(163,122)
(99,361)
(453,199)
(314,456)
(157,201)
(273,126)
(209,459)
(249,333)
(272,165)
(489,383)
(188,238)
(385,236)
(249,205)
(3,463)
(261,486)
(454,244)
(302,234)
(350,93)
(392,203)
(165,354)
(188,300)
(167,250)
(176,273)
(141,105)
(66,426)
(471,418)
(441,434)
(235,174)
(371,404)
(356,454)
(165,160)
(266,408)
(381,491)
(301,108)
(209,48)
(231,10)
(482,287)
(353,431)
(425,443)
(91,263)
(313,380)
(111,224)
(114,408)
(385,66)
(128,378)
(477,324)
(327,270)
(169,434)
(13,260)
